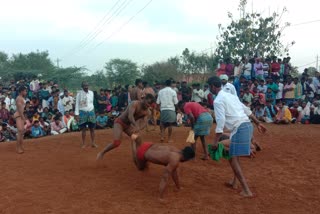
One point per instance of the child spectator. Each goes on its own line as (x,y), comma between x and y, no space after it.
(271,96)
(102,120)
(262,88)
(247,97)
(259,112)
(36,130)
(270,112)
(57,126)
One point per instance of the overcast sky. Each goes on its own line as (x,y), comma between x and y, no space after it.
(163,29)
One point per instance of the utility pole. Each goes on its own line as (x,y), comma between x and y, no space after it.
(317,63)
(58,60)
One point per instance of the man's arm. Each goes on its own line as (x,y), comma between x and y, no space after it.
(76,112)
(170,168)
(132,110)
(175,178)
(192,120)
(220,120)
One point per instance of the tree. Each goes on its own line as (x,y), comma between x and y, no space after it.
(121,72)
(252,35)
(160,71)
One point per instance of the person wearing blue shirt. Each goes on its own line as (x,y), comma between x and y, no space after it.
(36,130)
(101,120)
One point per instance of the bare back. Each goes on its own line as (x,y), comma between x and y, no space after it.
(163,154)
(139,112)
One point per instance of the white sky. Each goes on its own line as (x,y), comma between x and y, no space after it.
(162,30)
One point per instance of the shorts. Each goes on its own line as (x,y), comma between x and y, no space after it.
(142,150)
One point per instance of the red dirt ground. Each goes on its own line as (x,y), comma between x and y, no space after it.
(56,176)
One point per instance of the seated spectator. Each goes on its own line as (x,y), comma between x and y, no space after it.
(271,96)
(36,116)
(284,115)
(40,109)
(102,120)
(7,133)
(305,113)
(67,118)
(45,112)
(259,112)
(4,113)
(315,113)
(36,130)
(45,125)
(262,88)
(28,125)
(57,126)
(247,97)
(270,112)
(296,112)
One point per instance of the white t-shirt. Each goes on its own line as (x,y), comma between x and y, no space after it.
(280,92)
(167,99)
(247,69)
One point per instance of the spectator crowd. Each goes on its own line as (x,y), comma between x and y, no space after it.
(264,85)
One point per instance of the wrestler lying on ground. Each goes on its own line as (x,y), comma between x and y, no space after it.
(161,154)
(132,120)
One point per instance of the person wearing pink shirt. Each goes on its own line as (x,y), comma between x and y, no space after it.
(201,122)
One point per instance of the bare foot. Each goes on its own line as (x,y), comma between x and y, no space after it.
(99,156)
(20,150)
(162,201)
(170,141)
(247,194)
(204,157)
(93,145)
(162,139)
(231,185)
(83,146)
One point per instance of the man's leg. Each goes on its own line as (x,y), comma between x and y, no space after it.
(194,145)
(117,131)
(92,135)
(20,127)
(235,165)
(83,137)
(162,131)
(170,134)
(205,148)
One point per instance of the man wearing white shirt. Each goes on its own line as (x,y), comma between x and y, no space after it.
(232,114)
(167,99)
(85,114)
(226,86)
(197,93)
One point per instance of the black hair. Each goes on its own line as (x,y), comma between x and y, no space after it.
(144,83)
(138,81)
(180,104)
(57,117)
(188,153)
(21,89)
(150,97)
(215,81)
(168,82)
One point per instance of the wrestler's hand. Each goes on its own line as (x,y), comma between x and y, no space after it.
(261,128)
(134,137)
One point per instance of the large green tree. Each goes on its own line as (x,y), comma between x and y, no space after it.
(121,72)
(252,34)
(160,71)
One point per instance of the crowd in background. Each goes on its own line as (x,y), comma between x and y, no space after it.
(266,86)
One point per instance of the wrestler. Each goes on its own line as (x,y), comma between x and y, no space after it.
(162,154)
(20,118)
(132,120)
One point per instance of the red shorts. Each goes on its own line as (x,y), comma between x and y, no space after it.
(124,125)
(142,150)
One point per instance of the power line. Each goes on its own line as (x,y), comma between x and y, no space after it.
(123,25)
(303,23)
(307,64)
(91,36)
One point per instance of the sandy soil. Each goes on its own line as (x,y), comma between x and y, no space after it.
(56,176)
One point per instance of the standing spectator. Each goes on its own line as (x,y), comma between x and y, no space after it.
(316,83)
(247,68)
(230,113)
(226,86)
(167,99)
(275,69)
(310,89)
(36,130)
(258,69)
(147,89)
(185,92)
(288,91)
(44,95)
(229,67)
(102,101)
(287,67)
(123,99)
(273,86)
(114,99)
(279,95)
(4,113)
(281,72)
(67,101)
(297,89)
(221,68)
(57,127)
(197,93)
(84,112)
(266,67)
(60,105)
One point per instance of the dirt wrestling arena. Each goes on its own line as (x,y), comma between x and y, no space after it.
(56,176)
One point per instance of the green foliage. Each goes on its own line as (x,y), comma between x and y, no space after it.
(121,72)
(160,71)
(252,35)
